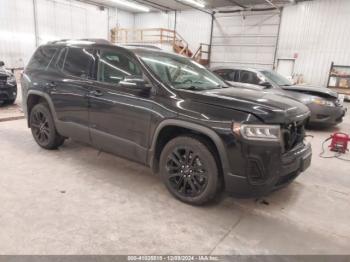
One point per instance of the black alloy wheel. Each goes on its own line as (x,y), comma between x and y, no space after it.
(186,172)
(189,170)
(40,127)
(43,127)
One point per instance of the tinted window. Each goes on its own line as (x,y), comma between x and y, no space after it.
(277,78)
(42,57)
(180,72)
(249,77)
(114,66)
(223,73)
(78,62)
(61,58)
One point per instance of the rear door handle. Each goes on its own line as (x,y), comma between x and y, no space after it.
(51,85)
(96,93)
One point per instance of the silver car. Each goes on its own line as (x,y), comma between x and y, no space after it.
(325,106)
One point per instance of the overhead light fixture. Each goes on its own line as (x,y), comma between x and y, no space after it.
(131,5)
(196,3)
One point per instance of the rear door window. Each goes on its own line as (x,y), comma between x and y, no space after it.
(249,77)
(228,74)
(42,58)
(78,62)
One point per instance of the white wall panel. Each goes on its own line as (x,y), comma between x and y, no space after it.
(56,19)
(154,20)
(125,19)
(194,26)
(17,38)
(317,32)
(245,40)
(60,19)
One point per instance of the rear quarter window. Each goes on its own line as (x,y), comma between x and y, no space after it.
(42,58)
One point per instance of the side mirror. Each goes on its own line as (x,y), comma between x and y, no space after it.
(136,82)
(2,63)
(265,83)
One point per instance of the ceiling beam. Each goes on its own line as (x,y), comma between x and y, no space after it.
(238,4)
(155,5)
(91,2)
(272,4)
(199,9)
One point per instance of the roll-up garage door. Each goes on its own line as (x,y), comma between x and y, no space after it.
(247,40)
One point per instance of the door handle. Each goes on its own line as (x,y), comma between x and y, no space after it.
(96,93)
(51,86)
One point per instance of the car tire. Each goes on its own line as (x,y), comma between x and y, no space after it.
(189,170)
(43,127)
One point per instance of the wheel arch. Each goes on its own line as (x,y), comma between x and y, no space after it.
(35,97)
(161,137)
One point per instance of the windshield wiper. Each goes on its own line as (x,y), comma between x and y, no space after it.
(194,88)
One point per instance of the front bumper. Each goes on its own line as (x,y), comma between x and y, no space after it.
(326,114)
(266,174)
(8,92)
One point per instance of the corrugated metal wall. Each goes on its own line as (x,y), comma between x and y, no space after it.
(247,40)
(68,19)
(125,19)
(56,19)
(154,20)
(318,32)
(193,26)
(17,40)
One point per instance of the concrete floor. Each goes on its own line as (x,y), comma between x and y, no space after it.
(77,201)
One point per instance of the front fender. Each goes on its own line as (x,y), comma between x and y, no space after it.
(194,127)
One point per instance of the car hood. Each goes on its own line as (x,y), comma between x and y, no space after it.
(312,90)
(303,97)
(270,108)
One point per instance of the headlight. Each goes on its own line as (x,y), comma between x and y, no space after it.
(322,102)
(11,80)
(258,132)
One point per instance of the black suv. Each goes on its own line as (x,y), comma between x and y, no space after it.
(167,112)
(8,85)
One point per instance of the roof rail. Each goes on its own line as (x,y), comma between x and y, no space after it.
(82,41)
(141,46)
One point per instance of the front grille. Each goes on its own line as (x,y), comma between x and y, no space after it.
(3,78)
(321,116)
(3,97)
(293,134)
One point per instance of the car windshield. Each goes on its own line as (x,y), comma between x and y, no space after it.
(276,78)
(181,72)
